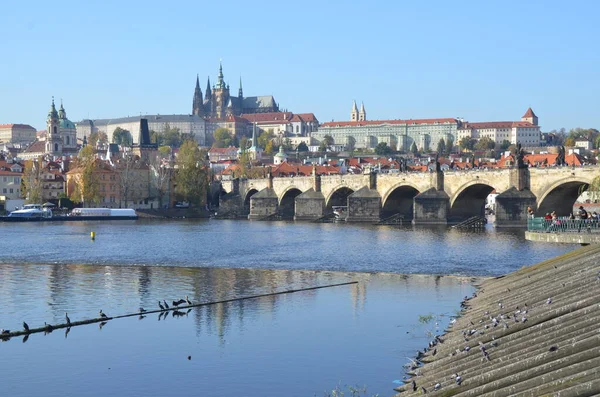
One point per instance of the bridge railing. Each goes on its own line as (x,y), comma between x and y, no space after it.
(563,225)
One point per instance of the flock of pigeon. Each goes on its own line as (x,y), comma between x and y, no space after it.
(164,309)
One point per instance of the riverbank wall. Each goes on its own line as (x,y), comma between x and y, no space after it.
(533,332)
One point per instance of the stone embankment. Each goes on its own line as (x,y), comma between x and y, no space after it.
(534,332)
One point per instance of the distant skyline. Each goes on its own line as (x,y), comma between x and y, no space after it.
(482,61)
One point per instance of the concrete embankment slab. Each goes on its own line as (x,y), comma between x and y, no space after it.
(533,332)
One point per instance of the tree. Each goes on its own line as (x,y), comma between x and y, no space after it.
(328,139)
(287,144)
(302,147)
(485,143)
(96,137)
(382,149)
(467,143)
(264,138)
(161,172)
(192,176)
(31,187)
(127,167)
(504,145)
(350,143)
(322,147)
(570,142)
(449,145)
(244,142)
(441,147)
(413,148)
(85,189)
(269,147)
(122,137)
(222,138)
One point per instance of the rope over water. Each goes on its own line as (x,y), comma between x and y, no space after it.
(49,328)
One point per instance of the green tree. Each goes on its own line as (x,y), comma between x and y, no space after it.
(449,145)
(222,138)
(172,136)
(504,145)
(322,147)
(485,143)
(302,147)
(164,151)
(287,144)
(441,147)
(413,148)
(467,143)
(97,136)
(85,188)
(122,137)
(192,176)
(328,139)
(382,149)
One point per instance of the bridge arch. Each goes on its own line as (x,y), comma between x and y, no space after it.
(469,200)
(251,192)
(399,199)
(287,201)
(338,196)
(561,196)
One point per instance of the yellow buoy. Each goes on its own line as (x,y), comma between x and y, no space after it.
(93,235)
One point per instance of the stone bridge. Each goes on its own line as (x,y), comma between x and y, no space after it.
(426,198)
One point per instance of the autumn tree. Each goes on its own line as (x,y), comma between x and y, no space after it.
(31,187)
(350,143)
(85,188)
(265,137)
(269,147)
(192,176)
(128,167)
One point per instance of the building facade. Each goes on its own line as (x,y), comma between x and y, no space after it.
(17,133)
(186,123)
(399,134)
(526,132)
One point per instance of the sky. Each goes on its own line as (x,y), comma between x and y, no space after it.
(478,60)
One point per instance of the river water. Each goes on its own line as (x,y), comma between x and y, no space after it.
(299,344)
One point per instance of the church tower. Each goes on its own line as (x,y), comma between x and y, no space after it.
(208,98)
(241,92)
(362,115)
(220,95)
(197,108)
(354,113)
(66,130)
(530,117)
(53,138)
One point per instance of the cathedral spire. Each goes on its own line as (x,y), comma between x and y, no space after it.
(220,81)
(240,91)
(197,103)
(354,113)
(208,92)
(52,114)
(62,114)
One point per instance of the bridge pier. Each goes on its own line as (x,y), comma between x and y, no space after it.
(431,207)
(364,205)
(511,207)
(262,204)
(310,205)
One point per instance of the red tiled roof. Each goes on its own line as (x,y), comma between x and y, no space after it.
(285,169)
(307,117)
(223,150)
(529,113)
(36,147)
(495,124)
(380,122)
(10,173)
(236,119)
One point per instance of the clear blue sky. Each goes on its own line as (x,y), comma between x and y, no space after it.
(480,60)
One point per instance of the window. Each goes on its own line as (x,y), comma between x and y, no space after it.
(11,190)
(16,180)
(4,190)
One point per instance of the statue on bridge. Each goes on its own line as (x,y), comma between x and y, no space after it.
(560,159)
(438,166)
(520,156)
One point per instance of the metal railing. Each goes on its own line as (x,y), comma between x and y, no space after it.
(563,225)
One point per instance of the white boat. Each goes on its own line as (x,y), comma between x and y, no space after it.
(31,211)
(98,213)
(339,212)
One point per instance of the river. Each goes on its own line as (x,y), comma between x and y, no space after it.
(299,344)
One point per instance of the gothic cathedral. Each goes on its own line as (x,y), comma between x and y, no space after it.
(219,104)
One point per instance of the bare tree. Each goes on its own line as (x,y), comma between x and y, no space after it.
(128,167)
(161,171)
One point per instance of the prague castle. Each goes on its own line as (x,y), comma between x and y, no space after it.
(219,103)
